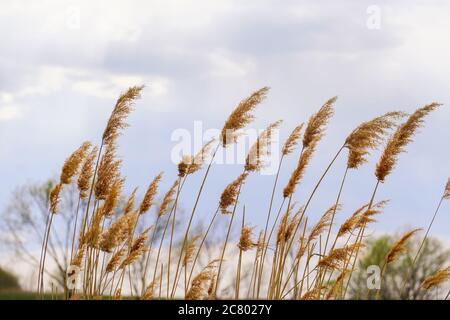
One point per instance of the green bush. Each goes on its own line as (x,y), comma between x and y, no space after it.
(8,282)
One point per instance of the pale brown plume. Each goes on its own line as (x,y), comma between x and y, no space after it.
(292,140)
(54,198)
(241,116)
(229,194)
(119,114)
(73,162)
(254,161)
(398,141)
(108,172)
(399,246)
(245,240)
(447,190)
(436,279)
(316,124)
(367,136)
(86,173)
(150,194)
(168,198)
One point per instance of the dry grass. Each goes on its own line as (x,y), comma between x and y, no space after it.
(290,258)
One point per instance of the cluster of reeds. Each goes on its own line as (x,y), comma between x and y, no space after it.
(293,257)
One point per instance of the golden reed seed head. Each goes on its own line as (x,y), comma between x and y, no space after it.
(241,116)
(313,294)
(115,234)
(254,161)
(335,289)
(351,222)
(189,251)
(168,198)
(245,240)
(398,141)
(447,190)
(201,284)
(368,136)
(367,215)
(115,260)
(55,197)
(72,163)
(150,194)
(86,173)
(299,171)
(212,287)
(136,250)
(149,293)
(78,259)
(337,257)
(129,205)
(323,223)
(108,172)
(113,197)
(229,194)
(438,278)
(191,164)
(399,246)
(119,114)
(292,140)
(316,124)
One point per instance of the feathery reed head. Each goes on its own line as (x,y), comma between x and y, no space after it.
(241,116)
(398,141)
(338,256)
(367,136)
(316,124)
(351,222)
(137,248)
(335,289)
(254,162)
(115,260)
(367,215)
(168,198)
(436,279)
(118,116)
(292,140)
(72,163)
(55,197)
(201,283)
(78,259)
(150,290)
(447,190)
(108,172)
(230,193)
(129,205)
(190,249)
(86,173)
(323,223)
(299,171)
(150,194)
(115,234)
(113,197)
(399,246)
(245,240)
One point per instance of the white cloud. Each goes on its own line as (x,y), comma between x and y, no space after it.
(9,112)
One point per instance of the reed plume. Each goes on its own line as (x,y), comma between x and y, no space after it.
(241,116)
(86,173)
(149,293)
(115,234)
(367,136)
(315,129)
(245,240)
(337,257)
(191,164)
(323,223)
(108,172)
(230,193)
(168,198)
(335,288)
(447,190)
(292,140)
(201,284)
(150,194)
(136,250)
(299,171)
(72,164)
(190,250)
(55,198)
(112,199)
(115,260)
(254,161)
(402,136)
(436,279)
(351,222)
(119,114)
(399,246)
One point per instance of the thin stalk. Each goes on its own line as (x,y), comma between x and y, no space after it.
(238,269)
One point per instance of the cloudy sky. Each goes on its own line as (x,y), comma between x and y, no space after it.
(63,64)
